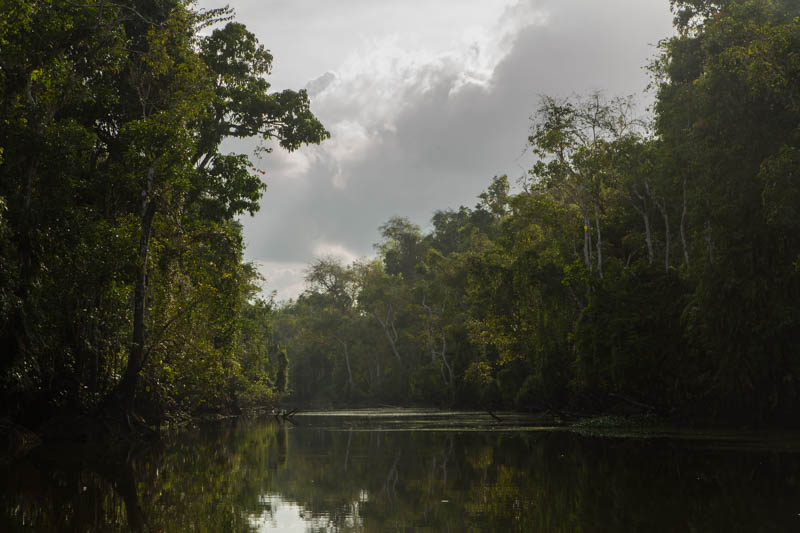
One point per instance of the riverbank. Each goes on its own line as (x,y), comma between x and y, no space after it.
(18,440)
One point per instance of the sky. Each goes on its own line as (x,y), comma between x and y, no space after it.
(426,101)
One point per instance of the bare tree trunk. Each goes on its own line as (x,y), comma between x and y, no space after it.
(709,243)
(388,323)
(441,354)
(445,365)
(347,363)
(648,237)
(599,242)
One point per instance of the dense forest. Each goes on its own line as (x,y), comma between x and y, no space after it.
(122,285)
(647,263)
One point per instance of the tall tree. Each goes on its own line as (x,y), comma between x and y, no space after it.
(118,222)
(570,140)
(726,106)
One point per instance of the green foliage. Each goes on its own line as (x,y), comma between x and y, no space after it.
(642,267)
(638,267)
(629,339)
(120,256)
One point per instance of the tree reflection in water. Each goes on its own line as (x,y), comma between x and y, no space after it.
(343,476)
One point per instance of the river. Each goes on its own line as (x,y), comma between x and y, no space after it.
(406,470)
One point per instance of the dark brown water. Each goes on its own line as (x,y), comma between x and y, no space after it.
(410,471)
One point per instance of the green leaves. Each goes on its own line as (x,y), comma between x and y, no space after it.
(242,105)
(120,240)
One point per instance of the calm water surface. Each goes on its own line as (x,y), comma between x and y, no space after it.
(410,471)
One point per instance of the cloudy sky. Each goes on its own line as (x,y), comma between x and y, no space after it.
(426,101)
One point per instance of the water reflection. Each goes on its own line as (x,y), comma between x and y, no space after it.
(349,474)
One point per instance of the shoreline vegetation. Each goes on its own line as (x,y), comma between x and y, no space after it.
(21,441)
(646,266)
(124,299)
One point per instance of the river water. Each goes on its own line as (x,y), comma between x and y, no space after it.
(410,471)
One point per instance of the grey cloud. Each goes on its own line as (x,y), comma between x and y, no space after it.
(317,85)
(444,148)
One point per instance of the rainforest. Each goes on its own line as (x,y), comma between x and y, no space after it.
(648,263)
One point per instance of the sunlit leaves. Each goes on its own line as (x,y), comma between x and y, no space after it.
(113,117)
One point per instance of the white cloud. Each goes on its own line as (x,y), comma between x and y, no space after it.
(285,278)
(380,80)
(309,37)
(335,250)
(349,141)
(426,101)
(290,164)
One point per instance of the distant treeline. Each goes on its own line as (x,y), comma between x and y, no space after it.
(645,266)
(122,286)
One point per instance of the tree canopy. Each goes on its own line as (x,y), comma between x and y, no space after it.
(644,264)
(123,281)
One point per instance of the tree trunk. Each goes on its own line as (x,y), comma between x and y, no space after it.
(599,242)
(392,336)
(444,365)
(347,363)
(648,237)
(667,243)
(448,380)
(587,241)
(587,232)
(126,390)
(683,227)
